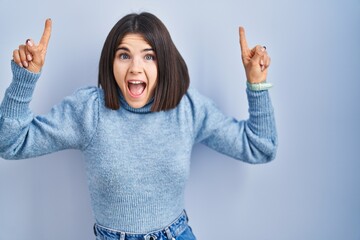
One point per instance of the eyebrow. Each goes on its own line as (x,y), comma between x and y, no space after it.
(127,50)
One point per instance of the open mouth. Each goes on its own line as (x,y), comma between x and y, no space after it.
(136,88)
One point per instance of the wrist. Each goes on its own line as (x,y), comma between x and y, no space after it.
(258,86)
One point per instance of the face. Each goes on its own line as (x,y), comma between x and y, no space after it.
(135,70)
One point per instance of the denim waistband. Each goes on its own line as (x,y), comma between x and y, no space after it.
(170,232)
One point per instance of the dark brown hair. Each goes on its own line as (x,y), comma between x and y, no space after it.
(173,77)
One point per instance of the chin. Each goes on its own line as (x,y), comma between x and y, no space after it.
(136,104)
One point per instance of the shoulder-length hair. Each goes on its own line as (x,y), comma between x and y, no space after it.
(173,77)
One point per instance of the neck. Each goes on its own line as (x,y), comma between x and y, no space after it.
(145,109)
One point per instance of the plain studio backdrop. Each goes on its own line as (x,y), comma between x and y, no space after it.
(310,191)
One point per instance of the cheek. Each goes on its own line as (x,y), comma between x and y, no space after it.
(154,74)
(119,72)
(153,81)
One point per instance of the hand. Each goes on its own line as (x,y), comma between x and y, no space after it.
(256,61)
(32,56)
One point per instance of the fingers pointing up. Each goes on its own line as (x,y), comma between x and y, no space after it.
(243,43)
(47,33)
(44,41)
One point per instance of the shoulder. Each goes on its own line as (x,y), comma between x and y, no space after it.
(87,92)
(196,105)
(84,98)
(196,99)
(193,95)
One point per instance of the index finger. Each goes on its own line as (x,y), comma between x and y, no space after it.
(243,43)
(46,34)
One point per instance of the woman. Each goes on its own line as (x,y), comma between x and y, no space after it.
(136,129)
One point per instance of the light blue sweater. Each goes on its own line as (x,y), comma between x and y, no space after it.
(137,161)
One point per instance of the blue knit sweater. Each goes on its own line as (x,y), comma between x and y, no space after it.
(137,161)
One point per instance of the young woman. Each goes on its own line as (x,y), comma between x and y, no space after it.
(136,129)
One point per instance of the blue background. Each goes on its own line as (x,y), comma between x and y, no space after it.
(311,191)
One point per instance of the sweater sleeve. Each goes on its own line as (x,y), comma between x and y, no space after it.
(253,140)
(69,124)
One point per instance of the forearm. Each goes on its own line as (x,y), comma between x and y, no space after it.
(15,114)
(253,140)
(69,124)
(260,128)
(261,114)
(19,94)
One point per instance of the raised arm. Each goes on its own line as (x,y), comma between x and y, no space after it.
(253,140)
(69,124)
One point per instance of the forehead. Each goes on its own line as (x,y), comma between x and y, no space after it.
(134,39)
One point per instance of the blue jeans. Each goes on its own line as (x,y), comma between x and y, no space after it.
(177,230)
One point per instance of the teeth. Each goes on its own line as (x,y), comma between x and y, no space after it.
(135,82)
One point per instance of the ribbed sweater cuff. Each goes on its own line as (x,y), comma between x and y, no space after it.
(261,113)
(19,93)
(259,101)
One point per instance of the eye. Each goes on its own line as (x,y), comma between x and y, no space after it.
(124,56)
(149,57)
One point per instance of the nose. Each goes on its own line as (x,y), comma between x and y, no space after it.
(136,66)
